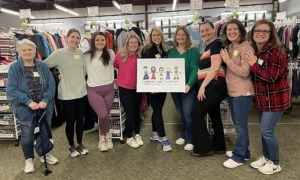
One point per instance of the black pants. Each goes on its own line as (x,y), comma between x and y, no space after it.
(131,101)
(157,101)
(211,105)
(74,112)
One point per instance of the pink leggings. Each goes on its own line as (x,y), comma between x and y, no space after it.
(101,99)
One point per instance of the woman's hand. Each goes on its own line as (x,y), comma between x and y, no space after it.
(34,105)
(42,105)
(225,56)
(187,88)
(201,94)
(250,58)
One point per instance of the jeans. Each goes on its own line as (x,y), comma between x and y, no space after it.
(184,103)
(268,121)
(239,108)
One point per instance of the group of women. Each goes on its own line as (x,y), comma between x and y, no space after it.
(231,68)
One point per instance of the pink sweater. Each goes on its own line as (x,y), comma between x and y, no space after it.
(127,71)
(238,77)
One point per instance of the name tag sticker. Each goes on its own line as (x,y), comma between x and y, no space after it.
(36,74)
(235,52)
(260,61)
(76,57)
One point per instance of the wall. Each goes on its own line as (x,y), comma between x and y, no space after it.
(292,6)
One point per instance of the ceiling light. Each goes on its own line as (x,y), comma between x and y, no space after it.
(174,4)
(281,1)
(116,4)
(45,24)
(65,9)
(10,11)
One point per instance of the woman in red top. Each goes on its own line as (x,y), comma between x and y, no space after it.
(271,87)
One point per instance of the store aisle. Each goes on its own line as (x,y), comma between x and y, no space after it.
(150,162)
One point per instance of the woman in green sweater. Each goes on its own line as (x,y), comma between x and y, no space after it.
(184,101)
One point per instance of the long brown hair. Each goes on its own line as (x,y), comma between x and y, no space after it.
(188,44)
(273,39)
(241,28)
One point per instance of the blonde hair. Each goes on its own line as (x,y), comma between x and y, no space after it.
(124,51)
(188,44)
(150,42)
(25,42)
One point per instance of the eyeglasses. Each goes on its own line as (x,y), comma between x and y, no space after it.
(258,31)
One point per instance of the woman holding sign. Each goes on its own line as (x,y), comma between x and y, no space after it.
(157,48)
(184,102)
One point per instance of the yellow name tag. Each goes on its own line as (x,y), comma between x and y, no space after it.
(260,61)
(76,57)
(36,74)
(235,52)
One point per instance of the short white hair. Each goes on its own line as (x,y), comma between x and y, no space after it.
(25,42)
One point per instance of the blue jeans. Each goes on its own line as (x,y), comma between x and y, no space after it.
(27,138)
(239,108)
(184,103)
(268,121)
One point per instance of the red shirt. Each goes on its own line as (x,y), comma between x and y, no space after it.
(271,84)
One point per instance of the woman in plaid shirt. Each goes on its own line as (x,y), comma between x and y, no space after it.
(272,94)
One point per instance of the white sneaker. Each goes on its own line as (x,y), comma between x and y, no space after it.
(82,149)
(132,143)
(29,166)
(231,164)
(188,147)
(109,143)
(269,168)
(49,158)
(229,154)
(180,141)
(260,162)
(139,140)
(102,145)
(73,151)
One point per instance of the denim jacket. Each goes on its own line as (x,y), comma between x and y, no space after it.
(17,91)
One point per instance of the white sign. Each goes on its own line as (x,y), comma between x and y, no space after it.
(161,75)
(126,8)
(25,13)
(232,3)
(281,15)
(93,11)
(196,4)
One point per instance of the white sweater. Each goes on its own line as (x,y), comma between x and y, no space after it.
(98,74)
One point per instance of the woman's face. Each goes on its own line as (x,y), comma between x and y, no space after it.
(207,32)
(73,40)
(100,42)
(233,33)
(133,45)
(261,34)
(27,52)
(156,37)
(181,37)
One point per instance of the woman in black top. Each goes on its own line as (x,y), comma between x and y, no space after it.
(156,48)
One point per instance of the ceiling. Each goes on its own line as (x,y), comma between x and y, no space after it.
(37,5)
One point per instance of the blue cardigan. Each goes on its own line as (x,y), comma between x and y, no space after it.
(17,91)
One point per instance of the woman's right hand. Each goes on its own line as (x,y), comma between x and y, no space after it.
(34,105)
(201,94)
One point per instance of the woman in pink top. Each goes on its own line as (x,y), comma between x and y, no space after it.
(126,63)
(240,88)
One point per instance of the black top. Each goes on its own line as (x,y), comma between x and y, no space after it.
(153,51)
(33,82)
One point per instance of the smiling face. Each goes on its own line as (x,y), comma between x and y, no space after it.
(156,37)
(207,32)
(27,52)
(73,40)
(233,33)
(261,34)
(100,42)
(181,37)
(133,44)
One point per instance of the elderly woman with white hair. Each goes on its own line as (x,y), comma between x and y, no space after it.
(30,87)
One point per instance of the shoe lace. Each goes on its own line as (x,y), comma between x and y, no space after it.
(166,143)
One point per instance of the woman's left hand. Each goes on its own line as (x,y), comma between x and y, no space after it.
(201,94)
(42,105)
(250,58)
(187,88)
(225,56)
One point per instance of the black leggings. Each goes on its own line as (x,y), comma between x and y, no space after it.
(131,101)
(74,110)
(157,101)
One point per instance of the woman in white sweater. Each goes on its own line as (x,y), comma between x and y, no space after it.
(100,71)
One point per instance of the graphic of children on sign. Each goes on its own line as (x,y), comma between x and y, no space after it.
(168,73)
(176,73)
(153,72)
(146,76)
(161,73)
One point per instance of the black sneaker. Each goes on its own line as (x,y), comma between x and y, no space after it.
(81,149)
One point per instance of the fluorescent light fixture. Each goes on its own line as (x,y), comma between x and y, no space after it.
(116,4)
(229,13)
(174,4)
(159,18)
(114,20)
(53,23)
(10,11)
(65,9)
(281,1)
(183,16)
(45,24)
(35,24)
(32,17)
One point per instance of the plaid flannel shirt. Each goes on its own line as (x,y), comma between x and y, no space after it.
(271,84)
